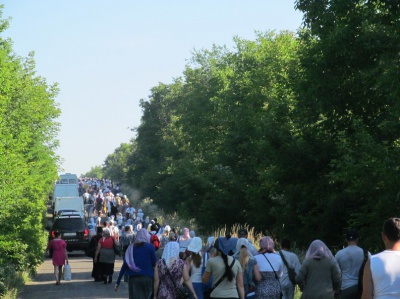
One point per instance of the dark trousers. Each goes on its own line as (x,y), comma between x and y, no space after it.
(350,293)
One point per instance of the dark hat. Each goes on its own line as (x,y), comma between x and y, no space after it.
(99,230)
(242,232)
(352,235)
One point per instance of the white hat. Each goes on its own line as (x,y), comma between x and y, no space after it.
(167,228)
(195,245)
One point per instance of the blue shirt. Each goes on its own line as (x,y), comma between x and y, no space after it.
(145,259)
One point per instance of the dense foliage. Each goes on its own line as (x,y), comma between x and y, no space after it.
(297,135)
(28,164)
(94,172)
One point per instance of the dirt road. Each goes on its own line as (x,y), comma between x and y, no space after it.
(81,286)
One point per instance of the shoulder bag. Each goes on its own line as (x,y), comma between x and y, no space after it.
(291,272)
(276,275)
(180,292)
(207,293)
(361,272)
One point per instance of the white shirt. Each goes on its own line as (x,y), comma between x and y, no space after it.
(195,275)
(275,261)
(385,269)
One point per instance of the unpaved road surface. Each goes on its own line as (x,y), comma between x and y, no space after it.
(43,285)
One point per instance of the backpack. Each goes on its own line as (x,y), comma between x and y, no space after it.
(361,272)
(155,241)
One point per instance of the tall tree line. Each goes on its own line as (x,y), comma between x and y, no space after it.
(295,134)
(28,164)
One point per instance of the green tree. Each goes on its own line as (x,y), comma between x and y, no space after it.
(28,167)
(347,115)
(202,147)
(94,172)
(116,165)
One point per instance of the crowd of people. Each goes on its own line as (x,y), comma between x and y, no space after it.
(161,263)
(230,267)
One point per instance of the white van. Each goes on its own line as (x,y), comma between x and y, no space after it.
(68,178)
(69,204)
(64,190)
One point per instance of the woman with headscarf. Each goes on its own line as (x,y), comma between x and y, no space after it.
(268,270)
(195,262)
(184,240)
(225,267)
(164,241)
(105,248)
(248,263)
(319,273)
(169,272)
(140,259)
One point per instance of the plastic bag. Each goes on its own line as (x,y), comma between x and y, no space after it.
(67,272)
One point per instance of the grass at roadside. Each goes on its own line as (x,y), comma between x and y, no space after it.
(12,281)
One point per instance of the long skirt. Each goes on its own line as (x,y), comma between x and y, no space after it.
(96,271)
(106,261)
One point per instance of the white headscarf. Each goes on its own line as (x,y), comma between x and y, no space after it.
(243,242)
(170,253)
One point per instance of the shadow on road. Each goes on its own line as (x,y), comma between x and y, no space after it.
(81,286)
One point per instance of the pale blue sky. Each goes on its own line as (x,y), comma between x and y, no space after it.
(107,55)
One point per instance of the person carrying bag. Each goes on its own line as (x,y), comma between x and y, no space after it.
(276,275)
(207,293)
(226,271)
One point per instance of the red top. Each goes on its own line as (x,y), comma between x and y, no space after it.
(107,242)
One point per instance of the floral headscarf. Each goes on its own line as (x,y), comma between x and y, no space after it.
(267,244)
(170,253)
